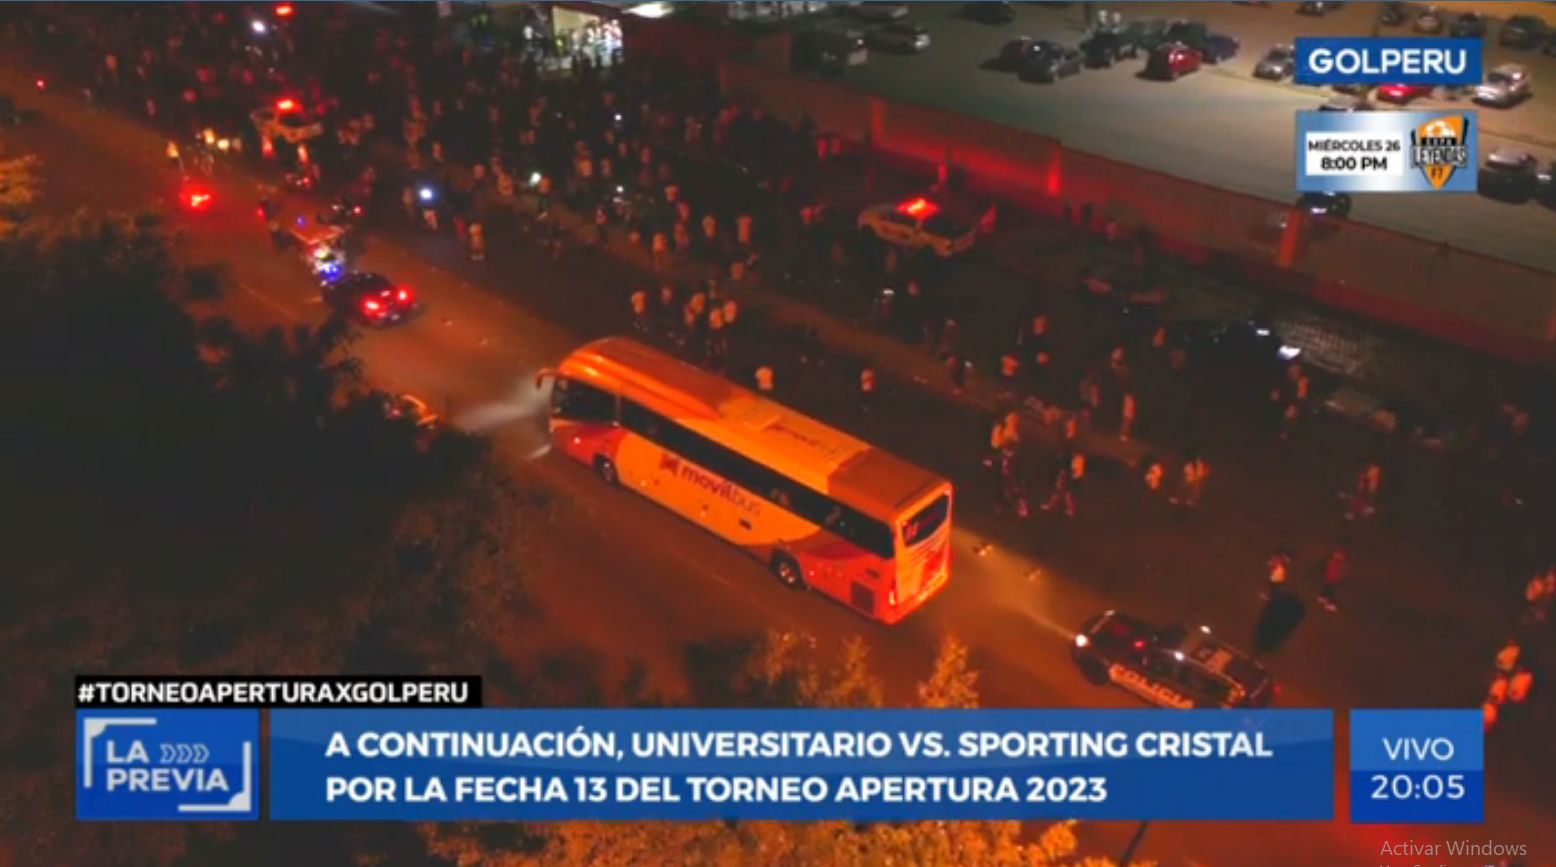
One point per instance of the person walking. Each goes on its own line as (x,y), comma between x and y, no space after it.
(1126,420)
(1278,569)
(1363,500)
(477,239)
(866,390)
(1192,484)
(641,318)
(1070,473)
(1336,565)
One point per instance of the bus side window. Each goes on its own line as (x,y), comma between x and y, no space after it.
(579,401)
(643,421)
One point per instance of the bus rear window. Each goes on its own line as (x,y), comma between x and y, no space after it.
(929,519)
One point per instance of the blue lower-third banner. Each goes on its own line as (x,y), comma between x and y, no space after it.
(869,765)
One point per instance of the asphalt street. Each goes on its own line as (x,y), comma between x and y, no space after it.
(618,580)
(1219,126)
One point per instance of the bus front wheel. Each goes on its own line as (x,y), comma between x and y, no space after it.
(607,470)
(787,571)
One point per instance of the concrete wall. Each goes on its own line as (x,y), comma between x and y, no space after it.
(1463,297)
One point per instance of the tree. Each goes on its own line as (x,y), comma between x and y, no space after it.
(951,683)
(20,185)
(187,498)
(787,669)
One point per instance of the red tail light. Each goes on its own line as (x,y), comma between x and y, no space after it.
(284,10)
(1139,644)
(371,306)
(404,296)
(286,105)
(40,83)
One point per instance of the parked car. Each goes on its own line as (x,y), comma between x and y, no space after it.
(1317,7)
(846,43)
(1505,85)
(874,10)
(1430,20)
(1212,47)
(1326,204)
(1404,94)
(1278,63)
(1347,103)
(1107,47)
(1511,175)
(1468,25)
(1523,31)
(1393,14)
(996,12)
(1052,63)
(899,39)
(1014,53)
(1172,61)
(1352,89)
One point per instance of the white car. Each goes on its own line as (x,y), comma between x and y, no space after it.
(917,224)
(288,121)
(899,38)
(878,11)
(1505,85)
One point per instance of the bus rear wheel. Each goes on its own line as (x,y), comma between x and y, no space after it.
(607,470)
(787,571)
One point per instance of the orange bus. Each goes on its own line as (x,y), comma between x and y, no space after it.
(822,509)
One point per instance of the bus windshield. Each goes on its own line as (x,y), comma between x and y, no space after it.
(929,519)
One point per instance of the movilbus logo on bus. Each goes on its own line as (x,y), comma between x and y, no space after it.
(1417,60)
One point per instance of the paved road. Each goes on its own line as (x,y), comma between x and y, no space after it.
(1220,126)
(664,584)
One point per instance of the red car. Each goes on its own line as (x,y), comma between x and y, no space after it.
(1403,94)
(1172,60)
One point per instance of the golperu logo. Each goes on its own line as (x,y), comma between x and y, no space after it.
(1429,61)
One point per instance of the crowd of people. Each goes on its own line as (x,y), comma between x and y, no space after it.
(485,144)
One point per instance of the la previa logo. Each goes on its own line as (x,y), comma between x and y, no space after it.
(1439,147)
(167,764)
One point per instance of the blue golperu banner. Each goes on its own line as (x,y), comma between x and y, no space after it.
(859,765)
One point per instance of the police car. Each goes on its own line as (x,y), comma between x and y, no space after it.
(286,120)
(1169,666)
(918,224)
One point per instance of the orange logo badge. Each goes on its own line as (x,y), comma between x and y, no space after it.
(1440,147)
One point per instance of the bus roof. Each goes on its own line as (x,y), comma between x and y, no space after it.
(802,448)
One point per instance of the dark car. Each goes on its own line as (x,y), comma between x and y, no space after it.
(1051,63)
(1015,53)
(1393,14)
(1170,61)
(1523,31)
(1510,175)
(1318,7)
(1468,25)
(1326,204)
(1169,666)
(996,12)
(1212,47)
(370,298)
(1246,356)
(1278,63)
(1107,47)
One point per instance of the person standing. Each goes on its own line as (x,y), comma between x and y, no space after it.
(764,380)
(1336,565)
(640,316)
(1363,501)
